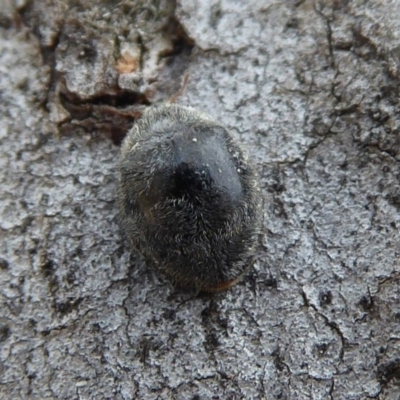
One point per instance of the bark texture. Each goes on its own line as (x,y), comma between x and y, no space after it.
(311,89)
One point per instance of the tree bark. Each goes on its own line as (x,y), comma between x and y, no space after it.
(311,90)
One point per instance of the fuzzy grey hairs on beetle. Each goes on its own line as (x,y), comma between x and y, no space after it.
(188,197)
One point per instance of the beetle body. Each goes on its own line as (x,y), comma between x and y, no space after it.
(188,197)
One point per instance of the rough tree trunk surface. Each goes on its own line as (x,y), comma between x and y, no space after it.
(311,89)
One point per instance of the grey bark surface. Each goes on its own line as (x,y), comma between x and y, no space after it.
(311,90)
